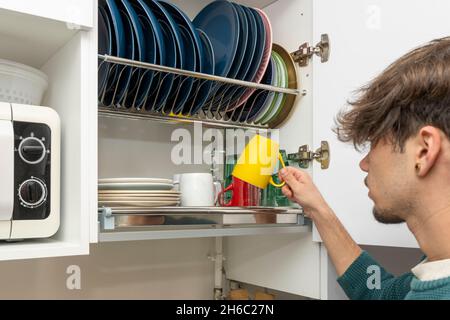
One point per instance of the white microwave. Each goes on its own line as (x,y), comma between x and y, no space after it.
(29,171)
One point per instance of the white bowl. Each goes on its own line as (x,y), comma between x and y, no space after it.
(22,84)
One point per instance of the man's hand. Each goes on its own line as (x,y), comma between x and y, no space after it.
(300,188)
(341,247)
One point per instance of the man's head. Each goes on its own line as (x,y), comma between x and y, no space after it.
(404,115)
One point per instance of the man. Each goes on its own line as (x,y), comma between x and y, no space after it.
(404,116)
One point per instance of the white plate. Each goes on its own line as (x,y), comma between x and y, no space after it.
(134,180)
(138,192)
(115,204)
(135,186)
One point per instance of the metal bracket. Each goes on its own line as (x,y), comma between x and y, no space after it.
(305,51)
(107,221)
(305,156)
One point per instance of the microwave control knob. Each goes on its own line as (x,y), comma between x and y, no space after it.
(32,193)
(32,150)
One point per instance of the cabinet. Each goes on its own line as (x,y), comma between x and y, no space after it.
(42,34)
(365,37)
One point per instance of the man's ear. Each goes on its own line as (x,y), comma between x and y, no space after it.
(429,146)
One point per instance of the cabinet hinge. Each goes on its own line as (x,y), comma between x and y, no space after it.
(304,156)
(305,51)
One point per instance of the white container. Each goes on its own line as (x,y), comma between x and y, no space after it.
(21,84)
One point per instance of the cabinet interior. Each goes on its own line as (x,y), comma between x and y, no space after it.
(57,50)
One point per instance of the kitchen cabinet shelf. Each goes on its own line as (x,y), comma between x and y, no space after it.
(128,224)
(218,108)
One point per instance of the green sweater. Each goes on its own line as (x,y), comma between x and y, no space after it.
(360,283)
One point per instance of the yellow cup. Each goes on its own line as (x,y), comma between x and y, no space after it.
(257,162)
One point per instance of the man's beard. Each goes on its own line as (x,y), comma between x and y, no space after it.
(386,216)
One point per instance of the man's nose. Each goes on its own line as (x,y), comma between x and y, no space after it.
(364,164)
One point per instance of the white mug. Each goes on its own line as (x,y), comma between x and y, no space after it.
(198,190)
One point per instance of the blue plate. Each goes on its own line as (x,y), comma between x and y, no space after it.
(113,19)
(203,90)
(238,69)
(165,80)
(183,20)
(142,51)
(254,104)
(143,9)
(235,71)
(220,21)
(255,63)
(244,73)
(177,103)
(260,45)
(159,98)
(155,49)
(251,45)
(123,31)
(104,47)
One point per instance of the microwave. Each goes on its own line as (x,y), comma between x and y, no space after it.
(29,171)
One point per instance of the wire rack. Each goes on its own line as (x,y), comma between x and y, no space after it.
(138,90)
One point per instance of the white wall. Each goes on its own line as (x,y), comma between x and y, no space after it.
(170,269)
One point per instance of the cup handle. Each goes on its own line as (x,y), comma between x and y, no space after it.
(278,185)
(222,193)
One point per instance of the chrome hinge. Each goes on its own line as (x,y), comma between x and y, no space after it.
(305,51)
(305,156)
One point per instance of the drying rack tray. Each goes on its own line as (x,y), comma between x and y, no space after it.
(120,218)
(134,224)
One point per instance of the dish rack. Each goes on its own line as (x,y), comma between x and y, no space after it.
(120,224)
(219,110)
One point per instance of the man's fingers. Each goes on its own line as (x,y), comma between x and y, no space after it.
(287,176)
(287,192)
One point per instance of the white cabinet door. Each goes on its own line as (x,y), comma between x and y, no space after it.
(366,36)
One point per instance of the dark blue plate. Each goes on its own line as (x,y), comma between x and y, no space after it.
(165,81)
(124,35)
(143,49)
(238,70)
(254,104)
(178,103)
(220,21)
(104,47)
(255,63)
(235,71)
(251,45)
(202,92)
(155,49)
(248,57)
(170,83)
(260,45)
(114,20)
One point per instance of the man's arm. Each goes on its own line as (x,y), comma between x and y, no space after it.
(342,249)
(353,266)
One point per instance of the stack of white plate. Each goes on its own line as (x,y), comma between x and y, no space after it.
(137,193)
